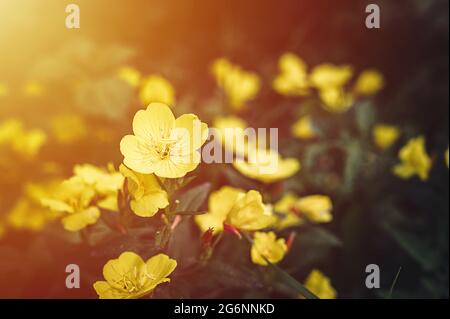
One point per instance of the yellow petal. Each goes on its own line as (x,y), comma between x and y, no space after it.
(77,221)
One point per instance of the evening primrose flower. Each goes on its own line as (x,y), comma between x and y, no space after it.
(147,196)
(74,200)
(304,128)
(155,88)
(233,206)
(106,183)
(28,143)
(239,85)
(129,75)
(316,208)
(285,207)
(385,135)
(267,166)
(320,285)
(327,75)
(230,131)
(266,247)
(163,145)
(293,77)
(130,277)
(369,82)
(68,128)
(414,160)
(9,129)
(335,99)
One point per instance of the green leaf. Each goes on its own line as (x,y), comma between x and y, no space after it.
(193,199)
(365,117)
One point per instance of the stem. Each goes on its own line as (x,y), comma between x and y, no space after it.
(391,291)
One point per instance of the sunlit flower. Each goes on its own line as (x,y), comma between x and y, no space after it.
(163,145)
(106,183)
(385,135)
(230,131)
(414,160)
(130,277)
(293,77)
(129,75)
(369,82)
(233,206)
(304,128)
(147,196)
(335,99)
(155,88)
(266,247)
(28,143)
(447,157)
(68,128)
(267,166)
(320,285)
(33,89)
(285,207)
(73,199)
(239,85)
(316,208)
(326,76)
(9,129)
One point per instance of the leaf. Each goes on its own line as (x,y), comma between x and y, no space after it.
(365,117)
(194,198)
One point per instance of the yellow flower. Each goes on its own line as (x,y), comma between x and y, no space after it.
(155,88)
(147,196)
(129,75)
(250,213)
(230,131)
(28,143)
(385,135)
(68,128)
(304,128)
(105,183)
(33,89)
(239,85)
(163,145)
(414,160)
(447,157)
(335,99)
(286,208)
(267,166)
(73,199)
(326,76)
(265,247)
(3,90)
(130,277)
(293,77)
(369,82)
(317,208)
(242,210)
(320,285)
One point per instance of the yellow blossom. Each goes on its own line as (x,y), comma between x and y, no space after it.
(304,128)
(155,88)
(9,129)
(267,166)
(129,75)
(286,208)
(28,143)
(414,160)
(369,82)
(130,277)
(242,210)
(316,208)
(163,145)
(293,77)
(385,135)
(447,157)
(230,130)
(266,247)
(326,76)
(33,89)
(320,285)
(147,196)
(106,183)
(68,128)
(239,85)
(335,99)
(74,200)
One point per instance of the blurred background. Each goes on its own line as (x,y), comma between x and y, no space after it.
(61,85)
